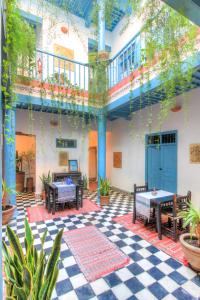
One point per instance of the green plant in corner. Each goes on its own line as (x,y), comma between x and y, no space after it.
(30,276)
(104,187)
(85,182)
(45,178)
(191,218)
(6,190)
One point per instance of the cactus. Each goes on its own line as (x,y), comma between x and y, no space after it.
(30,276)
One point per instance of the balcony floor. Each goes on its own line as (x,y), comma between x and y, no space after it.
(151,273)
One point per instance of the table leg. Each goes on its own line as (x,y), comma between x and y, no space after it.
(158,220)
(54,202)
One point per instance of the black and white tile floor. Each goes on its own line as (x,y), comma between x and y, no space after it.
(151,273)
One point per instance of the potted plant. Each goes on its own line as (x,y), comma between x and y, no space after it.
(20,175)
(191,241)
(7,209)
(45,179)
(29,157)
(30,274)
(104,190)
(85,185)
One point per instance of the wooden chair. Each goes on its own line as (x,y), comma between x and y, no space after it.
(137,189)
(174,224)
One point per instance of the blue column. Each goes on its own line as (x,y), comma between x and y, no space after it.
(101,25)
(101,116)
(101,146)
(10,152)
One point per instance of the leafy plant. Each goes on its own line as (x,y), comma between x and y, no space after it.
(104,187)
(45,178)
(30,276)
(192,219)
(6,190)
(85,182)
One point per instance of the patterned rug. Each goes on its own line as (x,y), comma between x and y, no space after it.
(167,245)
(94,253)
(40,213)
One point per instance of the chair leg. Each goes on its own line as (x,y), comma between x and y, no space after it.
(134,211)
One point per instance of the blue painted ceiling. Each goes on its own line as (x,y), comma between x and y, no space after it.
(83,9)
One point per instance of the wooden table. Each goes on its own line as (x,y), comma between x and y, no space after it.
(52,191)
(145,200)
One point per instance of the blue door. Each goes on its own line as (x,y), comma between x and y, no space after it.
(161,161)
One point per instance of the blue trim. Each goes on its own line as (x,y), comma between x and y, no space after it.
(48,103)
(33,19)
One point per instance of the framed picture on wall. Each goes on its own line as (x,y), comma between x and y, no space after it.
(73,165)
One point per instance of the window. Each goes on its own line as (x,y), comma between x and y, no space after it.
(126,61)
(66,143)
(153,139)
(168,138)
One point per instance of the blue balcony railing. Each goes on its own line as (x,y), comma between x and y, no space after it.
(51,68)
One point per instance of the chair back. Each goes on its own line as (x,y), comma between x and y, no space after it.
(181,203)
(140,189)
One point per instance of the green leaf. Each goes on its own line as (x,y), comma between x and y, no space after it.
(44,237)
(55,253)
(20,293)
(52,283)
(27,277)
(44,290)
(38,278)
(28,234)
(15,244)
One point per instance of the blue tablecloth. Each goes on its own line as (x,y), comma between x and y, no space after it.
(66,192)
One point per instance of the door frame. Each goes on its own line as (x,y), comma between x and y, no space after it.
(146,154)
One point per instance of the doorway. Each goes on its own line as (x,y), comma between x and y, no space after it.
(25,162)
(161,161)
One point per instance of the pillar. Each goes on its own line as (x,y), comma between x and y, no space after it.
(101,146)
(101,116)
(10,152)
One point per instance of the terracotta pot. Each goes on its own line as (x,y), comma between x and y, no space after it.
(191,252)
(43,195)
(7,214)
(104,200)
(20,181)
(29,184)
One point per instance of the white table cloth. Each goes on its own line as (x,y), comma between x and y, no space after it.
(143,201)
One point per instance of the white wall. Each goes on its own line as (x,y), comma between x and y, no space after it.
(125,139)
(47,155)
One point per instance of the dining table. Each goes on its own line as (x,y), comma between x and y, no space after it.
(146,200)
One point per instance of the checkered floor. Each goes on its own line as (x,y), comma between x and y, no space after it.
(151,274)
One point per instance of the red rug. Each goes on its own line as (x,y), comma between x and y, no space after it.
(94,253)
(40,213)
(167,245)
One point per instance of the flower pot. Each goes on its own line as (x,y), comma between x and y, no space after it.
(7,214)
(104,200)
(43,195)
(29,184)
(20,181)
(192,252)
